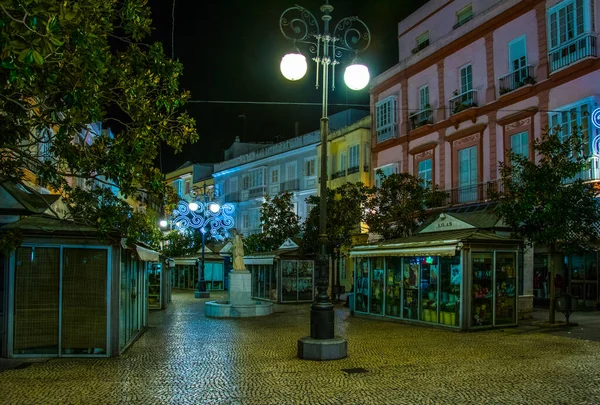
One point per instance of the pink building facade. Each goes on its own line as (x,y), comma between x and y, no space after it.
(478,77)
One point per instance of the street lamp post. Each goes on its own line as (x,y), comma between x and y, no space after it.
(352,35)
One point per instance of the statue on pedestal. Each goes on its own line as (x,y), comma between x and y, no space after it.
(237,251)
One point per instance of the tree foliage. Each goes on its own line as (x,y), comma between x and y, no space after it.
(183,243)
(66,65)
(278,221)
(399,205)
(543,201)
(345,212)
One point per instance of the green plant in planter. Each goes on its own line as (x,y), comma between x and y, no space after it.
(528,80)
(504,90)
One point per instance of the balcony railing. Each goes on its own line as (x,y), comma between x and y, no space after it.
(463,101)
(516,79)
(418,119)
(420,47)
(338,174)
(290,185)
(462,22)
(591,170)
(474,193)
(354,169)
(582,47)
(257,192)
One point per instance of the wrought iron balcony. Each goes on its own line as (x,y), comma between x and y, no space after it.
(591,171)
(256,192)
(423,117)
(290,185)
(338,174)
(579,48)
(354,169)
(516,79)
(463,101)
(479,192)
(420,47)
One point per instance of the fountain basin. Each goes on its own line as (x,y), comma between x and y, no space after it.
(223,309)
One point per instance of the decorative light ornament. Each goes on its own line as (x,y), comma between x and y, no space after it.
(596,117)
(193,206)
(293,66)
(357,76)
(214,208)
(163,223)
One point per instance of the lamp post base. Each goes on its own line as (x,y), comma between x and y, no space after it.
(322,349)
(201,294)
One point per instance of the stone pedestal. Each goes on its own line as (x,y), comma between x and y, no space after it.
(240,288)
(322,349)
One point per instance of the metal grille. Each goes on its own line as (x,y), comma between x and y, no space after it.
(36,300)
(84,301)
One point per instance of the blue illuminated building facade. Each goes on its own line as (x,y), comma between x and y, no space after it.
(291,165)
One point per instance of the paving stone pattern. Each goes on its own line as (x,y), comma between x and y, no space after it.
(186,358)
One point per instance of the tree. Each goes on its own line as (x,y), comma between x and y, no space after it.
(544,203)
(183,243)
(278,221)
(67,65)
(399,205)
(345,212)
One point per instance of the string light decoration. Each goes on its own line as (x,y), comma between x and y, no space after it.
(206,216)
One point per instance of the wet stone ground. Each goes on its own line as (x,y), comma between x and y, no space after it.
(185,358)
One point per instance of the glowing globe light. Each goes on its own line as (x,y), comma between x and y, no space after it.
(357,76)
(214,208)
(193,206)
(293,66)
(163,223)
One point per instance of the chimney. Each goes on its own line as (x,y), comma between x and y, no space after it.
(296,128)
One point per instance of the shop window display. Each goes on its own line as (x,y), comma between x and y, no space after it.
(482,290)
(289,280)
(377,287)
(393,289)
(362,286)
(540,275)
(411,288)
(450,281)
(506,297)
(429,288)
(305,280)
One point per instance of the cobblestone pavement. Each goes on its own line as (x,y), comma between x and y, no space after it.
(185,358)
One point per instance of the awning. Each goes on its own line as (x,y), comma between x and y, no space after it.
(259,260)
(435,247)
(147,255)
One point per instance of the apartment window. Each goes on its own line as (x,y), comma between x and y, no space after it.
(233,185)
(566,22)
(275,175)
(44,146)
(254,218)
(467,174)
(290,171)
(354,160)
(366,156)
(245,182)
(422,42)
(257,177)
(424,98)
(387,171)
(425,172)
(466,79)
(463,15)
(245,221)
(519,143)
(187,187)
(386,122)
(573,119)
(177,187)
(343,161)
(310,167)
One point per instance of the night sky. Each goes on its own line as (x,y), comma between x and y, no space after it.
(231,51)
